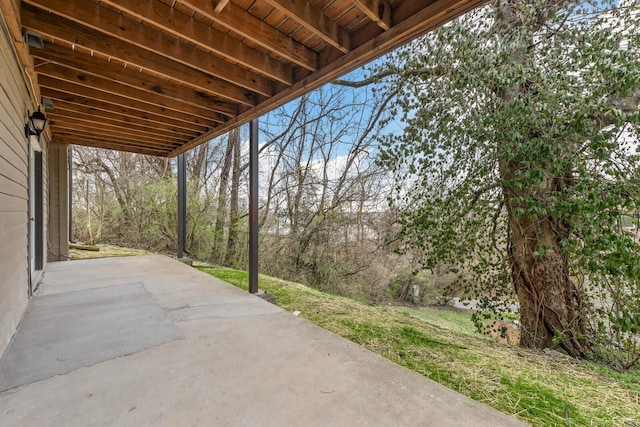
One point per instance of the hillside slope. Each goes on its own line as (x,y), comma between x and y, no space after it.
(539,389)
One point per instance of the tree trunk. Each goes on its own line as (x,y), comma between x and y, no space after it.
(200,164)
(233,200)
(87,202)
(100,195)
(550,303)
(217,254)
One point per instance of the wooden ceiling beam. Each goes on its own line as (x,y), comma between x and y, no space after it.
(92,115)
(85,63)
(86,132)
(72,140)
(98,134)
(205,36)
(147,48)
(420,22)
(240,21)
(186,105)
(101,104)
(82,122)
(314,19)
(56,77)
(379,11)
(220,6)
(265,52)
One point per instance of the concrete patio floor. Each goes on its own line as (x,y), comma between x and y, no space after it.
(149,341)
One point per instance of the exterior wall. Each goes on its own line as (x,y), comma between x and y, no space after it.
(58,203)
(15,106)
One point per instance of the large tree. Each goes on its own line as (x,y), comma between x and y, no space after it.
(516,163)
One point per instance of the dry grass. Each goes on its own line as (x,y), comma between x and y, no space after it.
(106,251)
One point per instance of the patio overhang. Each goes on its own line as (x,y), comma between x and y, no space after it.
(162,76)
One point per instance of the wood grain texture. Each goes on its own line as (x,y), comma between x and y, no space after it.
(241,22)
(315,20)
(124,33)
(198,68)
(203,74)
(152,119)
(204,36)
(15,101)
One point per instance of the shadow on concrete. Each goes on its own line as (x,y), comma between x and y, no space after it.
(60,333)
(149,341)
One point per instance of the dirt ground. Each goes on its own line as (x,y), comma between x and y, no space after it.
(504,332)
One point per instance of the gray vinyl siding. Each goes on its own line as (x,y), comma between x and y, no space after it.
(14,192)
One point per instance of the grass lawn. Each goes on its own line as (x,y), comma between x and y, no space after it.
(443,317)
(538,389)
(106,251)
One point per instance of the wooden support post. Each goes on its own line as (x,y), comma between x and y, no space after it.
(70,188)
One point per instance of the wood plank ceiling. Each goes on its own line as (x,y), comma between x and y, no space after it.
(162,76)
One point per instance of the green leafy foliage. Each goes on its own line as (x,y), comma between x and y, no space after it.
(517,157)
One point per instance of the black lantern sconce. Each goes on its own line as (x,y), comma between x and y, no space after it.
(34,128)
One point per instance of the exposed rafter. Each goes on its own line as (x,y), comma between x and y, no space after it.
(313,19)
(93,90)
(115,35)
(241,22)
(220,6)
(74,125)
(76,65)
(191,102)
(80,100)
(98,122)
(91,141)
(379,11)
(160,77)
(146,124)
(204,36)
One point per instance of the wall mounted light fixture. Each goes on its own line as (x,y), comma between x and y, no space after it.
(34,128)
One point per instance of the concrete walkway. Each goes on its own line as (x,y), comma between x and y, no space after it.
(149,341)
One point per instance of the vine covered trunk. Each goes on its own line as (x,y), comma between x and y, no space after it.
(550,303)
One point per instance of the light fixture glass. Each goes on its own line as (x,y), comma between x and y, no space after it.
(34,128)
(37,122)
